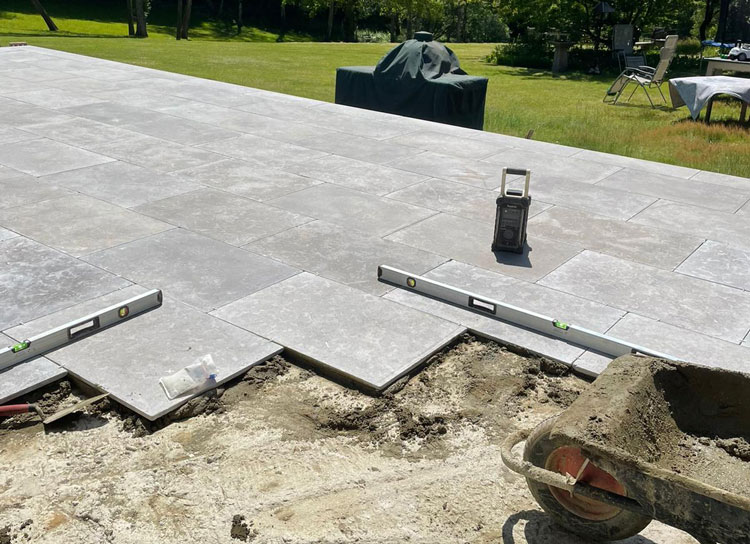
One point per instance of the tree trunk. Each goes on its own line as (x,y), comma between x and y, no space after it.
(186,18)
(329,28)
(350,24)
(239,16)
(708,16)
(221,8)
(43,12)
(282,15)
(393,27)
(131,22)
(178,29)
(140,20)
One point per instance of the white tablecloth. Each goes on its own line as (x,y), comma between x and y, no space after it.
(695,92)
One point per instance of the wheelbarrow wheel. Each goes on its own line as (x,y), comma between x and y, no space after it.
(586,517)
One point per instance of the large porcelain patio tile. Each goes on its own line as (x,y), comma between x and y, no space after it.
(628,240)
(248,179)
(587,197)
(709,308)
(555,167)
(79,224)
(127,360)
(199,271)
(363,176)
(526,144)
(470,242)
(144,96)
(208,91)
(31,73)
(121,183)
(22,378)
(265,152)
(181,131)
(6,234)
(84,85)
(359,148)
(158,154)
(637,164)
(362,337)
(10,173)
(457,199)
(448,144)
(80,132)
(684,344)
(9,135)
(54,98)
(12,85)
(36,280)
(719,263)
(369,214)
(274,129)
(706,195)
(223,216)
(110,113)
(740,183)
(41,157)
(469,171)
(731,229)
(23,190)
(343,255)
(529,296)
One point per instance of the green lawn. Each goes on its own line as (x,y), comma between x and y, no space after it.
(565,110)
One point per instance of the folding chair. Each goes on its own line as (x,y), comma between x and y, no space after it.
(643,76)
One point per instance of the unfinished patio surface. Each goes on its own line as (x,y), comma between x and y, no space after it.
(263,217)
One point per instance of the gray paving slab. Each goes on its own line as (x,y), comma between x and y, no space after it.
(143,95)
(6,234)
(208,91)
(457,199)
(343,255)
(84,85)
(628,240)
(556,167)
(360,336)
(731,229)
(7,173)
(158,154)
(743,184)
(681,343)
(194,269)
(182,131)
(13,85)
(42,156)
(248,179)
(79,224)
(367,213)
(265,152)
(638,164)
(36,280)
(110,113)
(517,292)
(223,216)
(9,135)
(744,210)
(25,377)
(22,115)
(363,176)
(606,201)
(274,129)
(469,171)
(523,143)
(80,132)
(727,199)
(709,308)
(121,183)
(30,73)
(448,144)
(23,190)
(471,241)
(356,147)
(719,263)
(53,98)
(127,360)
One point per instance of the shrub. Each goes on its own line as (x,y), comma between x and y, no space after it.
(527,55)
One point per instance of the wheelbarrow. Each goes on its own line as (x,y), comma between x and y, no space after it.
(649,439)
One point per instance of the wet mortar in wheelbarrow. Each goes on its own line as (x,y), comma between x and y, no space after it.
(672,437)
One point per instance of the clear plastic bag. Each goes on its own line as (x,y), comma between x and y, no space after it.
(190,379)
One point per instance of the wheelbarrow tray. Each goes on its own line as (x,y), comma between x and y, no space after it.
(677,436)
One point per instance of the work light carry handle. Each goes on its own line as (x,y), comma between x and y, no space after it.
(516,172)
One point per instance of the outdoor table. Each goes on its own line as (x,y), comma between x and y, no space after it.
(696,92)
(717,64)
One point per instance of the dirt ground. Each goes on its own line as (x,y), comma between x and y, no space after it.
(287,456)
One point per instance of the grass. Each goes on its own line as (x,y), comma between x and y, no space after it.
(562,109)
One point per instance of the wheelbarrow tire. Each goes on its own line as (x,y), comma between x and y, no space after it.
(623,525)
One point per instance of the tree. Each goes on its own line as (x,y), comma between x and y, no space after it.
(184,8)
(708,15)
(140,17)
(131,21)
(43,12)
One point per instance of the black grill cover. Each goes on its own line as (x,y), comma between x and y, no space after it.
(418,78)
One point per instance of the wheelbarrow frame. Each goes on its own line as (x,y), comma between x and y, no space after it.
(710,514)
